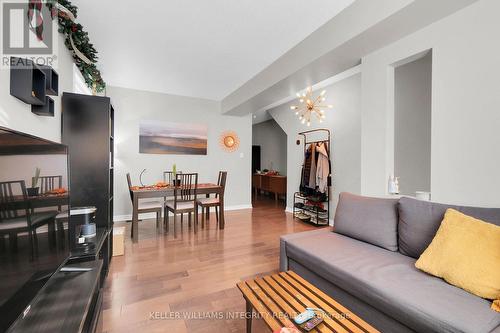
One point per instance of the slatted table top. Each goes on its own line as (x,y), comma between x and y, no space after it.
(278,298)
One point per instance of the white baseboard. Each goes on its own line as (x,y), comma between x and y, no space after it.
(238,207)
(128,217)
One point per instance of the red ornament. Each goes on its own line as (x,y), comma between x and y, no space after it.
(53,12)
(74,27)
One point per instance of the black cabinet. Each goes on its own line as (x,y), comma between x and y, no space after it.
(87,130)
(70,302)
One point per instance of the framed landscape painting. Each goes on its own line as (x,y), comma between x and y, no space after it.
(157,137)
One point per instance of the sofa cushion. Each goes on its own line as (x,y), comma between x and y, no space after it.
(371,220)
(286,238)
(390,282)
(419,221)
(466,253)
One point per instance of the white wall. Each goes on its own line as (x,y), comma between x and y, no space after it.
(79,84)
(22,167)
(17,115)
(272,140)
(465,107)
(412,125)
(132,106)
(344,122)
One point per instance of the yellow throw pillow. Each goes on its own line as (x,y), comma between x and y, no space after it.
(496,305)
(465,252)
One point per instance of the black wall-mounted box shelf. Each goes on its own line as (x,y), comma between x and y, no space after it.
(46,110)
(27,81)
(51,80)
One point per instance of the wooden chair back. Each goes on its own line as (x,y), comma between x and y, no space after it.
(221,181)
(168,176)
(129,182)
(187,189)
(10,192)
(50,183)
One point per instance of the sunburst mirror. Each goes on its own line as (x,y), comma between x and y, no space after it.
(229,141)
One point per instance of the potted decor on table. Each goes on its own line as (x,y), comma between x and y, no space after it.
(34,189)
(177,182)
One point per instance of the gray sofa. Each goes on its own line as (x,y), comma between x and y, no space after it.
(368,265)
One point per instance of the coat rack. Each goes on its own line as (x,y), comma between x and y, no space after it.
(301,209)
(322,130)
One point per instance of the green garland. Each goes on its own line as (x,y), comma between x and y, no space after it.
(82,42)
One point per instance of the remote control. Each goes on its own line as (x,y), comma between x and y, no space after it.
(311,323)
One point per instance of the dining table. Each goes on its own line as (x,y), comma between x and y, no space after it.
(40,201)
(148,192)
(46,200)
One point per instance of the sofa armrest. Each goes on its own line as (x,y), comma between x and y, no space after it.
(287,238)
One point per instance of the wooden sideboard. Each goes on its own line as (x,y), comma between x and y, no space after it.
(269,183)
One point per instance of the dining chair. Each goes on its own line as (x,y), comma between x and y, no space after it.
(206,203)
(184,199)
(50,183)
(168,176)
(16,215)
(154,206)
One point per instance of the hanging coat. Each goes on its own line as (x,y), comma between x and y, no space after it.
(322,168)
(312,174)
(306,169)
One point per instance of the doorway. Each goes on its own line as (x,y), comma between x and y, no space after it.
(269,162)
(412,124)
(256,158)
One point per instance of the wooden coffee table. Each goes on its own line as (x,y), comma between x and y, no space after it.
(278,298)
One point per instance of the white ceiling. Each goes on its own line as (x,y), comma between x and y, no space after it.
(201,48)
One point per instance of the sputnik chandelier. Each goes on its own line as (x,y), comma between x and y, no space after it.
(310,105)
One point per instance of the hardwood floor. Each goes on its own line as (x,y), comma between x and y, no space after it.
(160,280)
